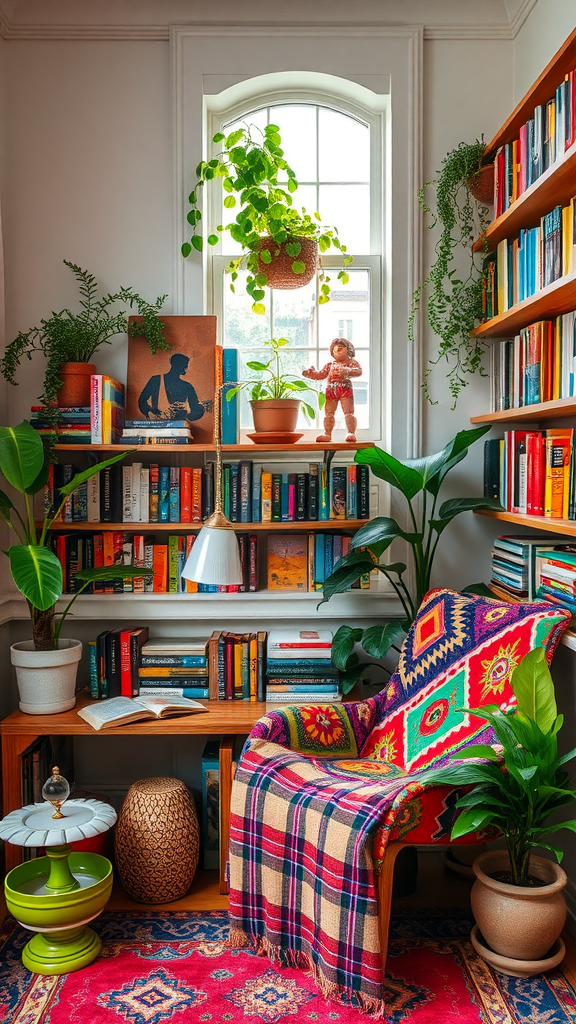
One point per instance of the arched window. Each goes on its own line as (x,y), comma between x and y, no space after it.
(337,155)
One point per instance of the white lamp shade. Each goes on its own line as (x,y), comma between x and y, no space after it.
(214,558)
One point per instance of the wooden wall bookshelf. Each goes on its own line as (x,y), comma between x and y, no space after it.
(567,527)
(563,61)
(557,298)
(316,524)
(555,187)
(557,409)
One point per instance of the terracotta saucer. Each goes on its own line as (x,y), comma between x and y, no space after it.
(516,968)
(275,437)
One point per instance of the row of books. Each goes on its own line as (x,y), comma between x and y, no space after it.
(532,472)
(528,568)
(166,558)
(251,493)
(521,266)
(542,141)
(71,424)
(538,365)
(294,562)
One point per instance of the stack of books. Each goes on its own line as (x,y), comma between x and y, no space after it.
(236,666)
(168,432)
(556,575)
(299,667)
(114,662)
(174,666)
(514,565)
(72,425)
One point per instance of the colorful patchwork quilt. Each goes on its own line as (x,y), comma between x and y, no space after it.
(321,789)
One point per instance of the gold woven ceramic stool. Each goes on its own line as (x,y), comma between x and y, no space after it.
(157,840)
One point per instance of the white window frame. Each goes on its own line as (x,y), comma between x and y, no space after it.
(217,116)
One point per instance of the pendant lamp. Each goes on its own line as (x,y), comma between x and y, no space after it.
(214,558)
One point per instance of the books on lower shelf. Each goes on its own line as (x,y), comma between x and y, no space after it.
(153,493)
(299,667)
(123,710)
(514,564)
(236,666)
(538,365)
(556,575)
(303,562)
(178,667)
(533,472)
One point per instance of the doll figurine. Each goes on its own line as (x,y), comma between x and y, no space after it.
(338,386)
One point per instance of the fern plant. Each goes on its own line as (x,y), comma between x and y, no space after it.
(68,337)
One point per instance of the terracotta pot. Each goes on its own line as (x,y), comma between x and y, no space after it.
(75,388)
(275,415)
(517,921)
(279,271)
(481,185)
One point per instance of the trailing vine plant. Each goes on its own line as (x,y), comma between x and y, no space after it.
(68,337)
(453,303)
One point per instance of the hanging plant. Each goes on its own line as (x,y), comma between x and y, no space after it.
(453,303)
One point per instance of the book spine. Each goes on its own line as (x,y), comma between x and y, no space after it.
(96,409)
(148,564)
(144,494)
(253,562)
(234,493)
(301,497)
(323,493)
(291,497)
(363,492)
(173,661)
(338,492)
(352,491)
(191,585)
(125,665)
(276,497)
(174,495)
(93,661)
(243,550)
(154,490)
(160,566)
(139,559)
(266,497)
(173,564)
(313,492)
(118,544)
(229,407)
(256,503)
(186,494)
(245,483)
(135,491)
(196,496)
(127,550)
(126,494)
(207,489)
(93,498)
(164,494)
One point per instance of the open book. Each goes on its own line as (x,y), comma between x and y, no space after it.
(120,710)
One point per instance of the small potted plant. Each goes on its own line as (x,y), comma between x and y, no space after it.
(454,301)
(282,246)
(46,666)
(273,397)
(70,340)
(517,786)
(419,482)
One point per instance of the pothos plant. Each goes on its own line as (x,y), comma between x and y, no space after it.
(74,337)
(522,783)
(35,568)
(453,302)
(419,482)
(249,165)
(275,383)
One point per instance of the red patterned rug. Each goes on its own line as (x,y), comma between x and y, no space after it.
(175,968)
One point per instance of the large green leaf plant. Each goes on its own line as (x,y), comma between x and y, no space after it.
(522,783)
(35,568)
(419,482)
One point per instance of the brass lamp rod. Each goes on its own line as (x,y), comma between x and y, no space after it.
(218,519)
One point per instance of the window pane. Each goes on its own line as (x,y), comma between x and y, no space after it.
(242,328)
(347,315)
(294,315)
(347,207)
(344,147)
(298,132)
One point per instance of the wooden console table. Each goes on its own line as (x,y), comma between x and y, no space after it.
(227,719)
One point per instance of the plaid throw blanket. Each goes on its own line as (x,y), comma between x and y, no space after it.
(315,783)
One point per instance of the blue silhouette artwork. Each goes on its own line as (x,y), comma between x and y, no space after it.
(167,396)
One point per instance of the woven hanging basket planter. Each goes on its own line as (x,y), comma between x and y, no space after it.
(279,271)
(481,185)
(157,840)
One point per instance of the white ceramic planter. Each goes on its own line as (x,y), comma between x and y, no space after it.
(46,679)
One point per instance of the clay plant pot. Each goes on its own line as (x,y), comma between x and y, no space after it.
(481,185)
(275,415)
(518,922)
(75,390)
(279,271)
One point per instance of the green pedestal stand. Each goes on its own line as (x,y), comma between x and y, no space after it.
(57,895)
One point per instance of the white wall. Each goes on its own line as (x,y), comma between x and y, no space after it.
(541,35)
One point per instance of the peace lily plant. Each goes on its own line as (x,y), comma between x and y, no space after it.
(35,568)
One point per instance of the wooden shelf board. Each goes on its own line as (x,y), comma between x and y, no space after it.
(543,89)
(203,894)
(539,411)
(563,526)
(319,524)
(192,449)
(555,187)
(550,302)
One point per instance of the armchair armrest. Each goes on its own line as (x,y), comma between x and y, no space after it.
(319,730)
